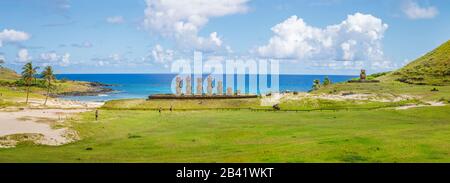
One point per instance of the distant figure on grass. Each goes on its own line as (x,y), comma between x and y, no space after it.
(170,108)
(160,109)
(96,114)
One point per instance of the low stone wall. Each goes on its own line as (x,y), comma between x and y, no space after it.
(364,81)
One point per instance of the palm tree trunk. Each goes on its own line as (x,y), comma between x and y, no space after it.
(48,93)
(28,92)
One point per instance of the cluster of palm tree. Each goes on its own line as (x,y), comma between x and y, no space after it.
(29,75)
(317,84)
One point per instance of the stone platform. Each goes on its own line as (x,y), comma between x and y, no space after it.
(181,97)
(363,81)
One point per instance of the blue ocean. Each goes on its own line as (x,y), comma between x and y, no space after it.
(143,85)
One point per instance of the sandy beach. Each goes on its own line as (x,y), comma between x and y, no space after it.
(36,122)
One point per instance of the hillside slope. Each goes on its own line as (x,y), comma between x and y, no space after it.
(430,69)
(7,74)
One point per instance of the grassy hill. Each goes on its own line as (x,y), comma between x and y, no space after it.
(7,74)
(13,89)
(430,69)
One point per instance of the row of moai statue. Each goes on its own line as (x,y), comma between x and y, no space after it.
(199,89)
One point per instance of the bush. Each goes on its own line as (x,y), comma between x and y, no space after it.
(37,83)
(276,107)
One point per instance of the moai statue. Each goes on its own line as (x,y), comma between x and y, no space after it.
(188,86)
(219,88)
(209,89)
(199,86)
(229,91)
(362,75)
(179,85)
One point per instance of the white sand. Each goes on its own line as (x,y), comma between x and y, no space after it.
(60,103)
(37,120)
(430,104)
(277,97)
(271,100)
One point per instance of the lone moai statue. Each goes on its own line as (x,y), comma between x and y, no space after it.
(188,86)
(209,89)
(229,91)
(179,84)
(199,86)
(219,88)
(362,75)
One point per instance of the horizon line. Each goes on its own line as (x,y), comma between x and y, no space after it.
(205,74)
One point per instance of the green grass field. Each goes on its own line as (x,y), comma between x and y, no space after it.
(321,130)
(386,135)
(194,104)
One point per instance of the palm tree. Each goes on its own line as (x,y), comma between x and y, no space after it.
(326,81)
(28,72)
(48,76)
(316,84)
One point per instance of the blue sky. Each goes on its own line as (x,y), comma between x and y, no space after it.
(146,36)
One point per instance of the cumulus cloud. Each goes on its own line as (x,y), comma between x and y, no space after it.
(115,20)
(50,58)
(65,59)
(23,56)
(10,35)
(162,56)
(356,38)
(182,20)
(414,11)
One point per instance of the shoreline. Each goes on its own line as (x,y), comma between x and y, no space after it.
(96,88)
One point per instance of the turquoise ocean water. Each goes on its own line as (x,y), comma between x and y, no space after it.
(143,85)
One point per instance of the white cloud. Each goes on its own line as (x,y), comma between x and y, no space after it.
(115,57)
(65,59)
(10,35)
(161,55)
(413,11)
(115,20)
(182,20)
(356,38)
(22,55)
(50,58)
(85,44)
